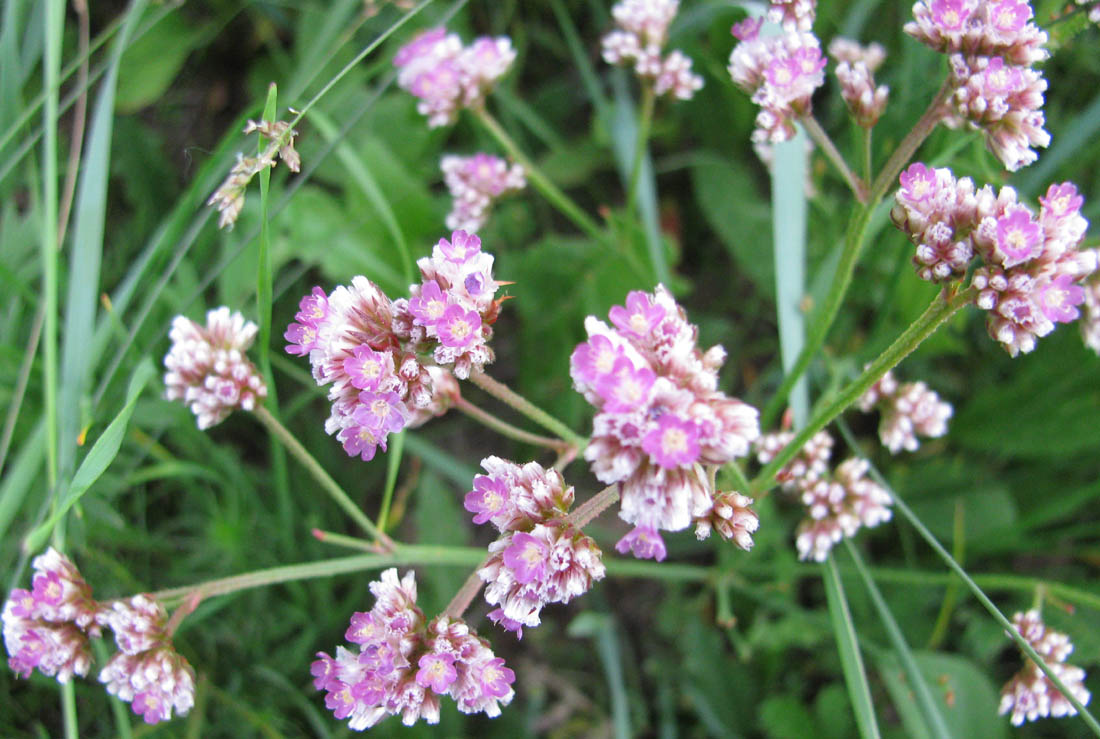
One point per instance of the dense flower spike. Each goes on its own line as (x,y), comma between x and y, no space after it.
(476,183)
(640,35)
(540,558)
(371,350)
(660,415)
(447,76)
(147,672)
(1030,265)
(404,664)
(208,368)
(855,71)
(992,45)
(1030,694)
(908,410)
(837,507)
(780,73)
(47,627)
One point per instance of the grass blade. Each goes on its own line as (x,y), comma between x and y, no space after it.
(99,458)
(855,675)
(929,708)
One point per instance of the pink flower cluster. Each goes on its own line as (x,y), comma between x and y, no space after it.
(147,672)
(660,418)
(793,15)
(908,410)
(402,664)
(992,45)
(48,628)
(855,70)
(208,368)
(447,76)
(540,557)
(476,183)
(780,73)
(370,349)
(1030,694)
(838,504)
(1030,265)
(639,38)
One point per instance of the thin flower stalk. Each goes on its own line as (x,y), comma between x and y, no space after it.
(505,394)
(817,133)
(503,427)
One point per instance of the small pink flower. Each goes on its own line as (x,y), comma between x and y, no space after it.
(595,359)
(488,499)
(48,588)
(437,672)
(950,15)
(639,317)
(461,248)
(429,307)
(918,182)
(783,73)
(421,45)
(339,699)
(323,671)
(362,629)
(152,707)
(496,679)
(1018,236)
(674,443)
(1062,200)
(626,389)
(1009,16)
(458,328)
(748,29)
(643,542)
(526,557)
(1059,299)
(367,368)
(359,441)
(383,412)
(1000,79)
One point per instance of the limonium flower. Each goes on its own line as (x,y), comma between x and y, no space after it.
(47,628)
(447,76)
(376,353)
(992,47)
(660,418)
(838,503)
(540,557)
(208,368)
(780,73)
(1030,266)
(855,70)
(638,39)
(1030,694)
(147,671)
(475,184)
(402,664)
(908,410)
(796,15)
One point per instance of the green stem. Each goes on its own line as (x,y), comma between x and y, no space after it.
(743,484)
(868,157)
(943,618)
(393,466)
(943,307)
(329,485)
(645,118)
(817,133)
(564,204)
(505,394)
(507,429)
(855,674)
(823,318)
(51,64)
(908,146)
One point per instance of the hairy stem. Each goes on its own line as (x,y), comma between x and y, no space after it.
(314,468)
(593,507)
(507,429)
(505,394)
(817,133)
(901,156)
(466,594)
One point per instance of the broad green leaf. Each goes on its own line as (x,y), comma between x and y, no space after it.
(153,61)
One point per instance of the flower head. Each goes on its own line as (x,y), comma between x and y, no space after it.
(640,34)
(475,183)
(1030,694)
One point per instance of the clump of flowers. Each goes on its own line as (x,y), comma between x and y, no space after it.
(1030,265)
(374,351)
(402,664)
(908,410)
(992,47)
(447,76)
(640,36)
(660,418)
(1030,694)
(147,671)
(475,184)
(855,70)
(780,73)
(541,557)
(208,368)
(229,197)
(838,504)
(47,628)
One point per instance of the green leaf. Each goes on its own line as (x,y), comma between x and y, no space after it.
(785,717)
(965,696)
(103,452)
(153,61)
(855,675)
